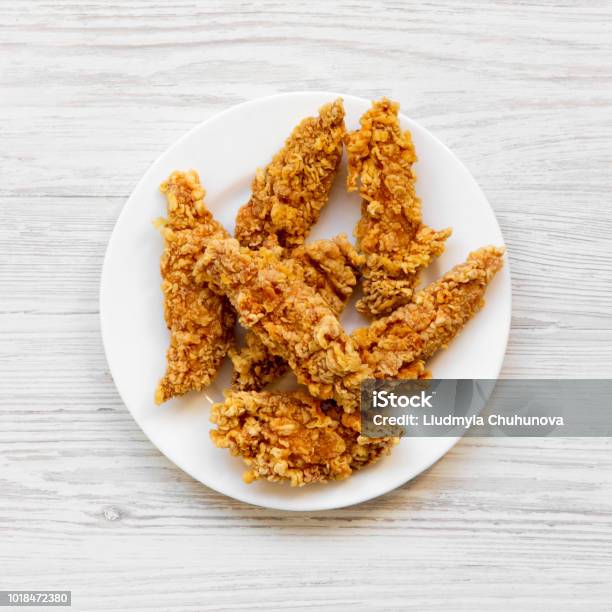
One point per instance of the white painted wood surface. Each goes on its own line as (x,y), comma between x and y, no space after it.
(91,93)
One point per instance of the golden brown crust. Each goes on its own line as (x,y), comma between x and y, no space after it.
(293,437)
(290,318)
(397,344)
(199,320)
(288,195)
(331,268)
(295,323)
(390,232)
(255,365)
(287,198)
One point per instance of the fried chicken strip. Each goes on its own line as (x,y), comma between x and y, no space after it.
(331,268)
(396,346)
(288,195)
(199,320)
(390,232)
(287,198)
(293,437)
(289,317)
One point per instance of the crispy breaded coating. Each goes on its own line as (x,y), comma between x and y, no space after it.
(331,268)
(293,437)
(398,344)
(295,323)
(199,320)
(287,198)
(255,365)
(290,318)
(288,195)
(390,232)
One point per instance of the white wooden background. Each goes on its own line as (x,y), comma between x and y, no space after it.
(91,93)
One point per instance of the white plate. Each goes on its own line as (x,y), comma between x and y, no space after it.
(226,150)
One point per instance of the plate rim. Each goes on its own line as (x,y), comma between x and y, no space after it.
(370,492)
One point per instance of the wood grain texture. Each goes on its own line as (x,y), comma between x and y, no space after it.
(91,94)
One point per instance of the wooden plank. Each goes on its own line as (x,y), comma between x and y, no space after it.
(92,93)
